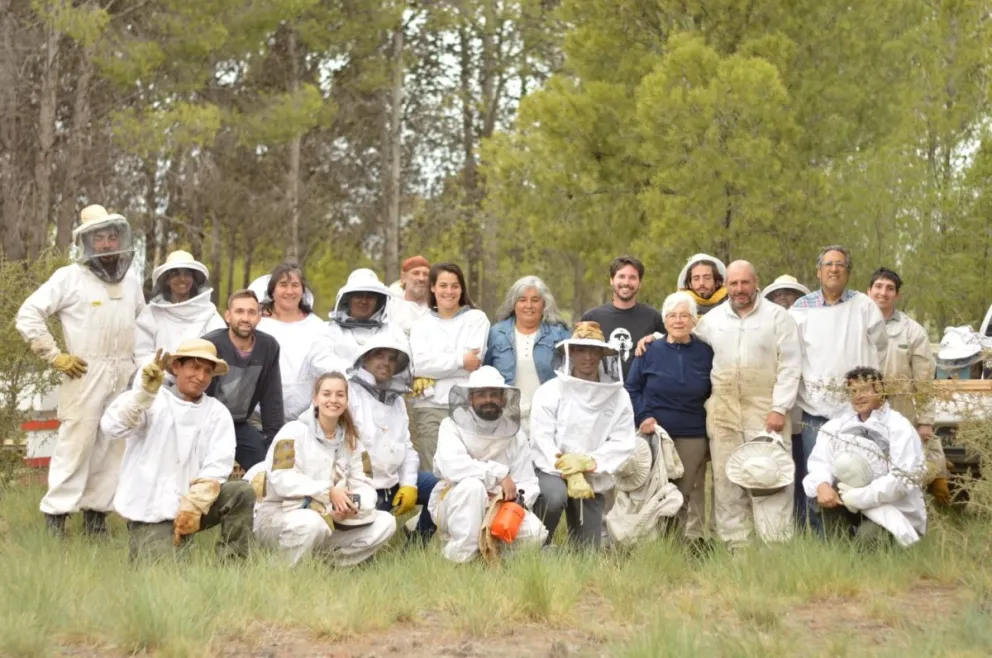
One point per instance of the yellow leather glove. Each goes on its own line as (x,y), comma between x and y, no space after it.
(578,487)
(187,523)
(404,500)
(70,365)
(153,374)
(421,384)
(571,463)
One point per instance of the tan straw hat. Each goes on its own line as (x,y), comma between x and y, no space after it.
(588,333)
(197,348)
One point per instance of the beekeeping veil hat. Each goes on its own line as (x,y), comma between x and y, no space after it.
(400,382)
(634,473)
(486,406)
(959,348)
(180,260)
(103,243)
(695,260)
(589,334)
(362,280)
(857,457)
(785,282)
(763,465)
(260,287)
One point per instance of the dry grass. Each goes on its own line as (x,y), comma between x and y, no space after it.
(804,598)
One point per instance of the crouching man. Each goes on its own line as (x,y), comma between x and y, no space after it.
(582,431)
(179,453)
(867,465)
(316,495)
(482,459)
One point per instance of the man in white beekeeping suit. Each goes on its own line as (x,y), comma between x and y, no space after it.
(482,456)
(97,299)
(360,313)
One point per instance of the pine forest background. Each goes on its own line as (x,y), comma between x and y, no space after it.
(528,136)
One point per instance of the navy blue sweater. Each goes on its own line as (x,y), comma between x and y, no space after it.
(671,383)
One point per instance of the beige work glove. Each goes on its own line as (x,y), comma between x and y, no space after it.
(578,486)
(197,501)
(571,463)
(153,374)
(70,365)
(419,385)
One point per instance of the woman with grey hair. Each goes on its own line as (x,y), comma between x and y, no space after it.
(668,387)
(522,342)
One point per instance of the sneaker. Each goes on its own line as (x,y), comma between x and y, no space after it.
(95,523)
(55,523)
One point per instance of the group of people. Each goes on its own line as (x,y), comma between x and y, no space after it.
(407,396)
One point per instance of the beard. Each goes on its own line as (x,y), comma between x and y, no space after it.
(489,411)
(243,333)
(625,294)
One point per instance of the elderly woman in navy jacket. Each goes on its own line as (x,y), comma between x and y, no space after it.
(668,387)
(522,342)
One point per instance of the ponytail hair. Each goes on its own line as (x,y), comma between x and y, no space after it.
(346,421)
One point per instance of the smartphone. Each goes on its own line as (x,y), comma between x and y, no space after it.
(356,499)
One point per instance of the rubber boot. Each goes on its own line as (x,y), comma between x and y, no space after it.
(55,523)
(941,492)
(95,523)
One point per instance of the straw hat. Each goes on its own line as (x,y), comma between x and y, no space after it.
(763,466)
(634,472)
(198,348)
(588,333)
(785,282)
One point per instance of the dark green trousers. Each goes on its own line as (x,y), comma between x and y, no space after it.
(233,511)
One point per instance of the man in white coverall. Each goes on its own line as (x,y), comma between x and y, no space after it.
(582,431)
(97,300)
(180,451)
(755,377)
(482,453)
(839,329)
(867,467)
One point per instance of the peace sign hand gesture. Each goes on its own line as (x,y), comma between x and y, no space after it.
(153,374)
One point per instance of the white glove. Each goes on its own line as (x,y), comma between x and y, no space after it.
(843,490)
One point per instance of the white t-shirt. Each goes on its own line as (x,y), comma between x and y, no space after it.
(526,379)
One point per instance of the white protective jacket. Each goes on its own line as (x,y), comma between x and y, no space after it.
(909,359)
(305,353)
(834,340)
(462,455)
(170,443)
(163,325)
(570,415)
(348,336)
(319,463)
(756,365)
(405,314)
(439,346)
(894,500)
(382,420)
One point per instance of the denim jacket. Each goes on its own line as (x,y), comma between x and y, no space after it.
(501,354)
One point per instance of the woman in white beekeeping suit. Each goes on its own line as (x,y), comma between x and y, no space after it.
(97,299)
(180,308)
(482,458)
(316,496)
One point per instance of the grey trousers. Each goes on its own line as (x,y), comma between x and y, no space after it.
(426,422)
(585,528)
(233,511)
(692,485)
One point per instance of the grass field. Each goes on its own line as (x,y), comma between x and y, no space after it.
(81,598)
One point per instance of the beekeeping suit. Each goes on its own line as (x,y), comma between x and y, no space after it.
(349,334)
(293,514)
(97,299)
(164,324)
(474,455)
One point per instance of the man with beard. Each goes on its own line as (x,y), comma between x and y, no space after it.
(253,379)
(703,277)
(839,329)
(755,378)
(483,457)
(624,321)
(409,304)
(97,300)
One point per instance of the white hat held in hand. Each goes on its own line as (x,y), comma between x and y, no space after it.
(763,466)
(634,472)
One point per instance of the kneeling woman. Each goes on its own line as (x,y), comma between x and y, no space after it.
(316,497)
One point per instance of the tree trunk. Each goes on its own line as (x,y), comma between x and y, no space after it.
(231,257)
(578,290)
(13,244)
(151,224)
(48,97)
(491,245)
(215,260)
(78,140)
(473,234)
(293,176)
(395,139)
(249,251)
